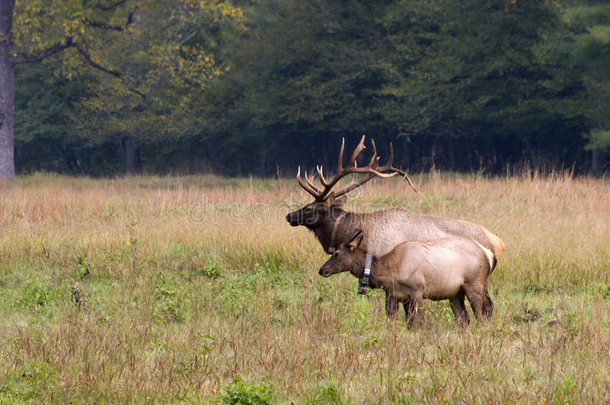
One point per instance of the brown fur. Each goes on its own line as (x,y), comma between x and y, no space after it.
(447,268)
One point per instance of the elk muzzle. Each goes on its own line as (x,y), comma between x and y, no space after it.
(295,218)
(325,271)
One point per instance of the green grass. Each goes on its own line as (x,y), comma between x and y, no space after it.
(115,291)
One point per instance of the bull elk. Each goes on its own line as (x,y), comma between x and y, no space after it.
(382,230)
(447,268)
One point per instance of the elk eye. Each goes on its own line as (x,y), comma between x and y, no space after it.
(335,254)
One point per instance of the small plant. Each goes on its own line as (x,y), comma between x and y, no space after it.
(240,392)
(564,393)
(78,296)
(35,294)
(168,305)
(212,267)
(326,393)
(83,268)
(604,288)
(527,314)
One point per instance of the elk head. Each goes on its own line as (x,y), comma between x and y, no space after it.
(326,200)
(346,257)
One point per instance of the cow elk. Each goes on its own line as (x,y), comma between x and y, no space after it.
(448,268)
(382,230)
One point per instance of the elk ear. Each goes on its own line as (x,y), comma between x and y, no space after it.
(356,239)
(330,201)
(340,202)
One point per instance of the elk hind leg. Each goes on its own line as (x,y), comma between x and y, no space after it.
(488,305)
(476,296)
(459,309)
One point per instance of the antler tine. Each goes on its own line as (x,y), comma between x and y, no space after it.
(321,175)
(391,157)
(357,151)
(388,166)
(315,193)
(374,159)
(406,177)
(354,185)
(340,159)
(311,184)
(341,171)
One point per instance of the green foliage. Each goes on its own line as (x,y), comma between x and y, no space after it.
(599,139)
(213,267)
(240,392)
(588,26)
(83,268)
(564,393)
(168,305)
(261,86)
(28,383)
(326,393)
(35,294)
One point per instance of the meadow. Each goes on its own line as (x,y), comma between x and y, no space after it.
(195,290)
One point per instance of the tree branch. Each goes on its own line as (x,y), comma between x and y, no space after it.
(37,57)
(109,6)
(120,75)
(112,27)
(102,25)
(67,43)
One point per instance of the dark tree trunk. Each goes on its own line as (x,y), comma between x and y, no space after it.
(133,163)
(7,91)
(451,153)
(598,161)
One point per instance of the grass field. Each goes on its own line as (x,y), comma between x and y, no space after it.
(196,290)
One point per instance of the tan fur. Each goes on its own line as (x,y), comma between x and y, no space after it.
(385,229)
(446,268)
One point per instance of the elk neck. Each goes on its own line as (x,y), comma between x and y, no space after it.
(336,228)
(380,274)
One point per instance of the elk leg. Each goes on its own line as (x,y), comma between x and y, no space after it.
(413,312)
(391,305)
(406,304)
(475,297)
(488,305)
(459,309)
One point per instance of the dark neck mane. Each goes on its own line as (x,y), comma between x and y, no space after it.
(336,228)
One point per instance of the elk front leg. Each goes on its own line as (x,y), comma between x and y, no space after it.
(413,310)
(408,308)
(391,305)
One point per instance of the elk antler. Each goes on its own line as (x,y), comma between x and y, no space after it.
(371,170)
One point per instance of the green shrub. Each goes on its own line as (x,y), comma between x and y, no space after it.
(167,302)
(326,393)
(35,294)
(212,267)
(83,268)
(240,392)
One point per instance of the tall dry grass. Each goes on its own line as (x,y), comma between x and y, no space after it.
(166,289)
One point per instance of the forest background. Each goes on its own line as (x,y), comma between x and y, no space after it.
(259,87)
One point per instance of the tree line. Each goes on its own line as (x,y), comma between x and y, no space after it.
(252,87)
